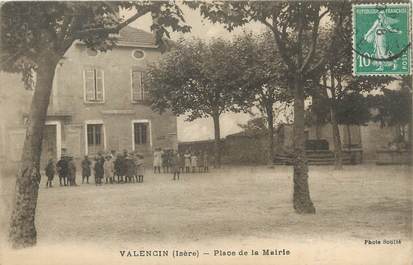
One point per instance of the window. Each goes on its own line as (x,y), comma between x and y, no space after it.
(94,138)
(91,52)
(140,133)
(139,92)
(138,54)
(93,83)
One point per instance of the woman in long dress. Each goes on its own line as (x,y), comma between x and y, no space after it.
(377,35)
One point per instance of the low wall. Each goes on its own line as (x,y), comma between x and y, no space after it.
(393,157)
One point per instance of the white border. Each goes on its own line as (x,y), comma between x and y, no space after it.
(133,131)
(87,122)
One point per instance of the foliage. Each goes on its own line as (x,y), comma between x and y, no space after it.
(264,73)
(394,107)
(198,78)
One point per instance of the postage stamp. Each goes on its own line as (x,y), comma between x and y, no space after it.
(381,39)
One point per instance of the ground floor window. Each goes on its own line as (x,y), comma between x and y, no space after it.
(95,138)
(140,133)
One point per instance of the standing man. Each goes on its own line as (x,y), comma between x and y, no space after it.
(62,169)
(99,171)
(86,171)
(50,171)
(72,172)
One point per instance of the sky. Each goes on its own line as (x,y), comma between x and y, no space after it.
(202,129)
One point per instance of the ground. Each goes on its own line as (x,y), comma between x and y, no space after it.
(232,208)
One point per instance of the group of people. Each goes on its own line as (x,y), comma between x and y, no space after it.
(175,162)
(114,168)
(65,168)
(125,167)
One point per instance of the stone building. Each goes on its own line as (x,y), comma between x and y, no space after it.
(98,103)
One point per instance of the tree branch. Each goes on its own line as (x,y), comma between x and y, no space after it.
(314,37)
(282,48)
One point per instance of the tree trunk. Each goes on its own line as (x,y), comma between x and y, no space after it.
(348,136)
(22,231)
(270,119)
(301,198)
(318,131)
(338,161)
(217,135)
(338,154)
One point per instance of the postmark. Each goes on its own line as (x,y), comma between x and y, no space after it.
(381,39)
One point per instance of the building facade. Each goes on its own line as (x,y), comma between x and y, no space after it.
(98,103)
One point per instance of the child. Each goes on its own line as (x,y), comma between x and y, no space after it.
(157,160)
(86,163)
(130,168)
(194,162)
(205,162)
(119,166)
(99,170)
(187,158)
(175,164)
(50,171)
(140,168)
(72,172)
(181,162)
(62,169)
(165,161)
(108,169)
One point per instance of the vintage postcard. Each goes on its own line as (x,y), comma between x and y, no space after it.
(206,132)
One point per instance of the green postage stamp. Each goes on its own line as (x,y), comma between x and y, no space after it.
(381,39)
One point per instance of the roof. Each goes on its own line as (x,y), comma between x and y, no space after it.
(129,36)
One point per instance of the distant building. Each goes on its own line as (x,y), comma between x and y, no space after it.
(98,103)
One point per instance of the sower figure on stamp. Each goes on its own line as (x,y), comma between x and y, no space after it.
(62,169)
(377,35)
(50,170)
(86,171)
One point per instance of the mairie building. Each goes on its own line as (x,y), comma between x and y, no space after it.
(98,103)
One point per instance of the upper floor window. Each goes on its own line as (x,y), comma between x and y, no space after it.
(139,93)
(93,85)
(91,52)
(138,54)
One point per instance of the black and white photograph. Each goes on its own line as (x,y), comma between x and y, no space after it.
(206,132)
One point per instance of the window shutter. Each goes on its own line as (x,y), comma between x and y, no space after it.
(136,86)
(89,80)
(99,85)
(146,93)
